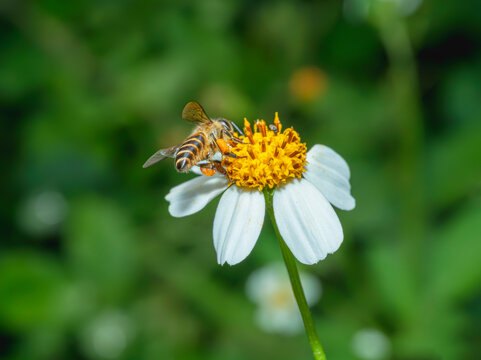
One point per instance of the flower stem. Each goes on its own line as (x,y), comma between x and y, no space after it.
(291,266)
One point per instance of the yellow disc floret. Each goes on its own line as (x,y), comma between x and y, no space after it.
(267,156)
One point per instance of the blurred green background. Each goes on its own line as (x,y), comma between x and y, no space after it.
(93,267)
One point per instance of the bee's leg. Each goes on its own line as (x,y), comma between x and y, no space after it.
(231,136)
(207,169)
(224,147)
(218,167)
(211,168)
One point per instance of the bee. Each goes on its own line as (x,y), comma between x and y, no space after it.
(209,137)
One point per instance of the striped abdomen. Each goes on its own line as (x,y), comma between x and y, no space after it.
(189,151)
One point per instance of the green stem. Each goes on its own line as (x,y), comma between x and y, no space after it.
(290,262)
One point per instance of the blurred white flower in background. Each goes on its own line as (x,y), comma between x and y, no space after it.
(277,311)
(42,213)
(371,344)
(107,335)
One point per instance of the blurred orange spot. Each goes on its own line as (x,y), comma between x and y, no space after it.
(307,83)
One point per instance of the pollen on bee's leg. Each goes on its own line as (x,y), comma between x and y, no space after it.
(207,171)
(224,148)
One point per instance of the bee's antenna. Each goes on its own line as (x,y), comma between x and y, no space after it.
(237,128)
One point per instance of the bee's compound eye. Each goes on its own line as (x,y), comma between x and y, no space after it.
(226,124)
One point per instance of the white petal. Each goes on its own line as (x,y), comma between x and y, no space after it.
(193,195)
(329,173)
(330,159)
(196,170)
(216,157)
(306,221)
(237,224)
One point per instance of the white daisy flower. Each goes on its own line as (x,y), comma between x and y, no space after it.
(277,310)
(304,186)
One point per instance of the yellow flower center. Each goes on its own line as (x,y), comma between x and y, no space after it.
(267,156)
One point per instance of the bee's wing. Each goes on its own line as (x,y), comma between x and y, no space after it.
(161,155)
(194,113)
